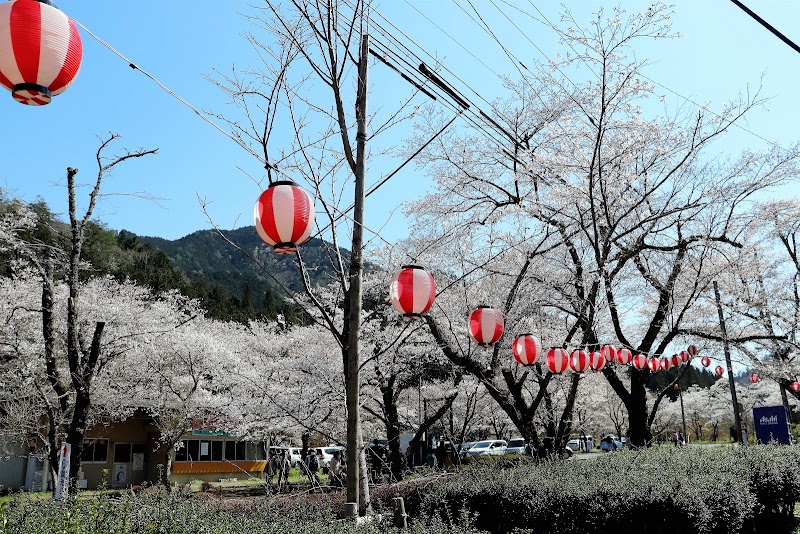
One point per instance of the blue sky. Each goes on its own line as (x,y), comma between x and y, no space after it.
(180,42)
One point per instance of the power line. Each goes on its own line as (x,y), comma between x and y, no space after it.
(767,25)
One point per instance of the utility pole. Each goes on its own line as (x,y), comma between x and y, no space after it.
(736,416)
(355,294)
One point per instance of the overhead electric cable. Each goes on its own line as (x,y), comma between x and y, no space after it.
(767,25)
(172,93)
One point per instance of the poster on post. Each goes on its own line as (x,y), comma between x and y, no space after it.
(771,425)
(62,482)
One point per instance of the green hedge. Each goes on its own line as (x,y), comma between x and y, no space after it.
(667,490)
(182,514)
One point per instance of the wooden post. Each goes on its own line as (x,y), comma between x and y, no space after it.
(355,291)
(400,518)
(736,416)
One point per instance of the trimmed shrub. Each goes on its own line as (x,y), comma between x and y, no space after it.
(684,490)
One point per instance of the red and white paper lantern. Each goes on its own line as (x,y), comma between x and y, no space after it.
(706,361)
(486,325)
(666,363)
(719,370)
(685,356)
(284,216)
(609,352)
(557,360)
(412,291)
(624,356)
(676,360)
(527,349)
(639,361)
(579,361)
(754,378)
(596,361)
(692,350)
(795,386)
(654,364)
(40,51)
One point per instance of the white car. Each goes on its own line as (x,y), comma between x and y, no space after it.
(325,455)
(516,446)
(487,448)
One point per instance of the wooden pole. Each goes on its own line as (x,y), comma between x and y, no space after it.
(355,289)
(736,416)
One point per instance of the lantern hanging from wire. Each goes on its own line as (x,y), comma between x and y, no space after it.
(527,349)
(486,325)
(608,352)
(795,386)
(754,378)
(685,356)
(412,291)
(557,360)
(596,361)
(579,361)
(284,216)
(666,363)
(40,51)
(624,356)
(654,364)
(639,361)
(706,361)
(719,370)
(676,360)
(692,350)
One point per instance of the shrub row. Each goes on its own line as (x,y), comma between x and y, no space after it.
(182,514)
(666,490)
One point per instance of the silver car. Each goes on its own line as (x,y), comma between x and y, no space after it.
(516,446)
(487,448)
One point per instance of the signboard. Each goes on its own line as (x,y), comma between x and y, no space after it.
(137,461)
(120,475)
(771,425)
(62,482)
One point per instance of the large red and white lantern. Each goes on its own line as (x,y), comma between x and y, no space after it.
(412,291)
(692,350)
(754,378)
(685,356)
(284,216)
(676,360)
(666,363)
(795,386)
(527,349)
(639,361)
(596,361)
(706,361)
(579,361)
(557,360)
(624,356)
(654,364)
(609,352)
(486,325)
(40,51)
(719,370)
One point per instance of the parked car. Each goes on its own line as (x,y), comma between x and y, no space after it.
(325,455)
(574,445)
(610,443)
(489,447)
(464,447)
(516,446)
(294,454)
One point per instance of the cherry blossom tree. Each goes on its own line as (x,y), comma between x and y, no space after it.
(615,219)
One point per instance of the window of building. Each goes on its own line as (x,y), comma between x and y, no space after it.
(94,451)
(235,450)
(194,450)
(122,453)
(216,451)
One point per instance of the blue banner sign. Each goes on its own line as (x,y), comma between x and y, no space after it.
(770,424)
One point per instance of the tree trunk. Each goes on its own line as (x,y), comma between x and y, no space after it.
(393,432)
(639,434)
(167,480)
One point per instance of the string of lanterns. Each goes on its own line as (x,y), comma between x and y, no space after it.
(284,218)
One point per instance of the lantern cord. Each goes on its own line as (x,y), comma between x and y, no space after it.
(172,93)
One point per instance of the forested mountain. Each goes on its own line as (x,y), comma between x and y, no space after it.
(206,256)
